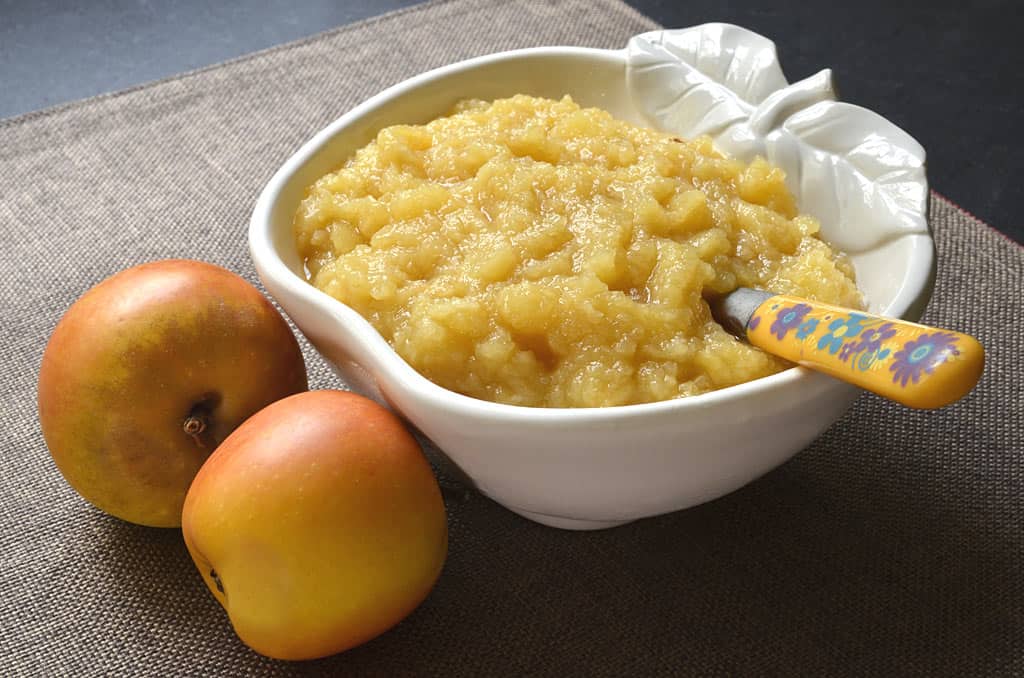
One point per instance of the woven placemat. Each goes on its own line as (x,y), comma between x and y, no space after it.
(891,546)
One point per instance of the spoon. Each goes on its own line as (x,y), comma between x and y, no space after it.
(916,365)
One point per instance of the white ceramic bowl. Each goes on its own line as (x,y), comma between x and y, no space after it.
(593,468)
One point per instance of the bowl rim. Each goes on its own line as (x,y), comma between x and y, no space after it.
(269,264)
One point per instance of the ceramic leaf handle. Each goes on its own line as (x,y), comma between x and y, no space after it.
(916,365)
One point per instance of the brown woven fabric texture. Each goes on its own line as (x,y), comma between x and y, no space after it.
(891,546)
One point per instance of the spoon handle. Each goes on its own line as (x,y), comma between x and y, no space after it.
(918,366)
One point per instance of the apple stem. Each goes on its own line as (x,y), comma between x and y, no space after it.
(216,580)
(194,425)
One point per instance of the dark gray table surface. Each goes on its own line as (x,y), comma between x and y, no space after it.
(950,73)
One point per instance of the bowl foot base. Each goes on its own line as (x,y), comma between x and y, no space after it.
(568,523)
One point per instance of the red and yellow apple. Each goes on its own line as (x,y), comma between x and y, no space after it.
(149,371)
(317,524)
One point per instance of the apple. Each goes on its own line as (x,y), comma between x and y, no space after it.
(149,371)
(317,525)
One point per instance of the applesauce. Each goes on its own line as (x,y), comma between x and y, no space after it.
(532,252)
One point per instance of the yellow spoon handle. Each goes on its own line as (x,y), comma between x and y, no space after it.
(919,366)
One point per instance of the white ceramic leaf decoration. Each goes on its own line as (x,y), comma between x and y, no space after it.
(859,174)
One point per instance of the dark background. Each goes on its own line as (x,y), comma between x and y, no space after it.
(950,73)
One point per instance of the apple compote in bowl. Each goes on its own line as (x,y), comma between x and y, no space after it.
(513,252)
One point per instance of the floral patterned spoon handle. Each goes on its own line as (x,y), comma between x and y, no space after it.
(916,365)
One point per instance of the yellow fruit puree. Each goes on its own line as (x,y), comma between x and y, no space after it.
(532,252)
